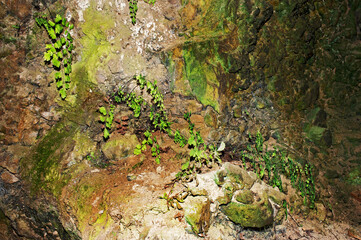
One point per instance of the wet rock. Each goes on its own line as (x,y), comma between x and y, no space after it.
(197,213)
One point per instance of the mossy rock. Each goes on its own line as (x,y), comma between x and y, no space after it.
(250,215)
(197,213)
(120,146)
(245,196)
(239,175)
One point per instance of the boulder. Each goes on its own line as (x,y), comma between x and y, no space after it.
(239,175)
(250,215)
(197,213)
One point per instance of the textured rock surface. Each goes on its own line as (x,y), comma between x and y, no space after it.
(287,69)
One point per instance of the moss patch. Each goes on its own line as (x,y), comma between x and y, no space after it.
(43,167)
(257,216)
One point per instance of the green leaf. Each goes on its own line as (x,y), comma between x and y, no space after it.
(39,21)
(185,165)
(67,24)
(47,56)
(64,54)
(59,84)
(138,150)
(64,22)
(192,141)
(60,55)
(58,29)
(63,40)
(66,70)
(67,86)
(69,38)
(62,93)
(71,47)
(51,33)
(58,18)
(108,122)
(56,62)
(103,111)
(57,44)
(57,75)
(106,133)
(102,118)
(67,79)
(147,134)
(157,160)
(52,49)
(51,23)
(71,26)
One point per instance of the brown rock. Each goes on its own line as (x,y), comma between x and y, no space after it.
(9,162)
(20,8)
(9,177)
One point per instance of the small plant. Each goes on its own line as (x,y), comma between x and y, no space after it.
(174,200)
(107,118)
(133,8)
(199,153)
(59,53)
(271,164)
(150,1)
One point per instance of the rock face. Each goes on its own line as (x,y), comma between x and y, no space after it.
(120,146)
(289,69)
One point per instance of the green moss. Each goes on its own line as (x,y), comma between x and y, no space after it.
(315,133)
(245,197)
(43,167)
(354,176)
(257,216)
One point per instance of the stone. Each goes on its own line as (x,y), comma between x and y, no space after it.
(244,196)
(198,192)
(321,212)
(273,193)
(119,146)
(232,137)
(197,213)
(240,175)
(29,137)
(210,117)
(250,215)
(8,177)
(223,200)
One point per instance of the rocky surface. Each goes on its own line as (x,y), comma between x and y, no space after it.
(287,69)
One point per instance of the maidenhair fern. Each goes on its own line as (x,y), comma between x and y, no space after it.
(59,53)
(133,9)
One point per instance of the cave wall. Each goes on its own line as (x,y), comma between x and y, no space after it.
(289,69)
